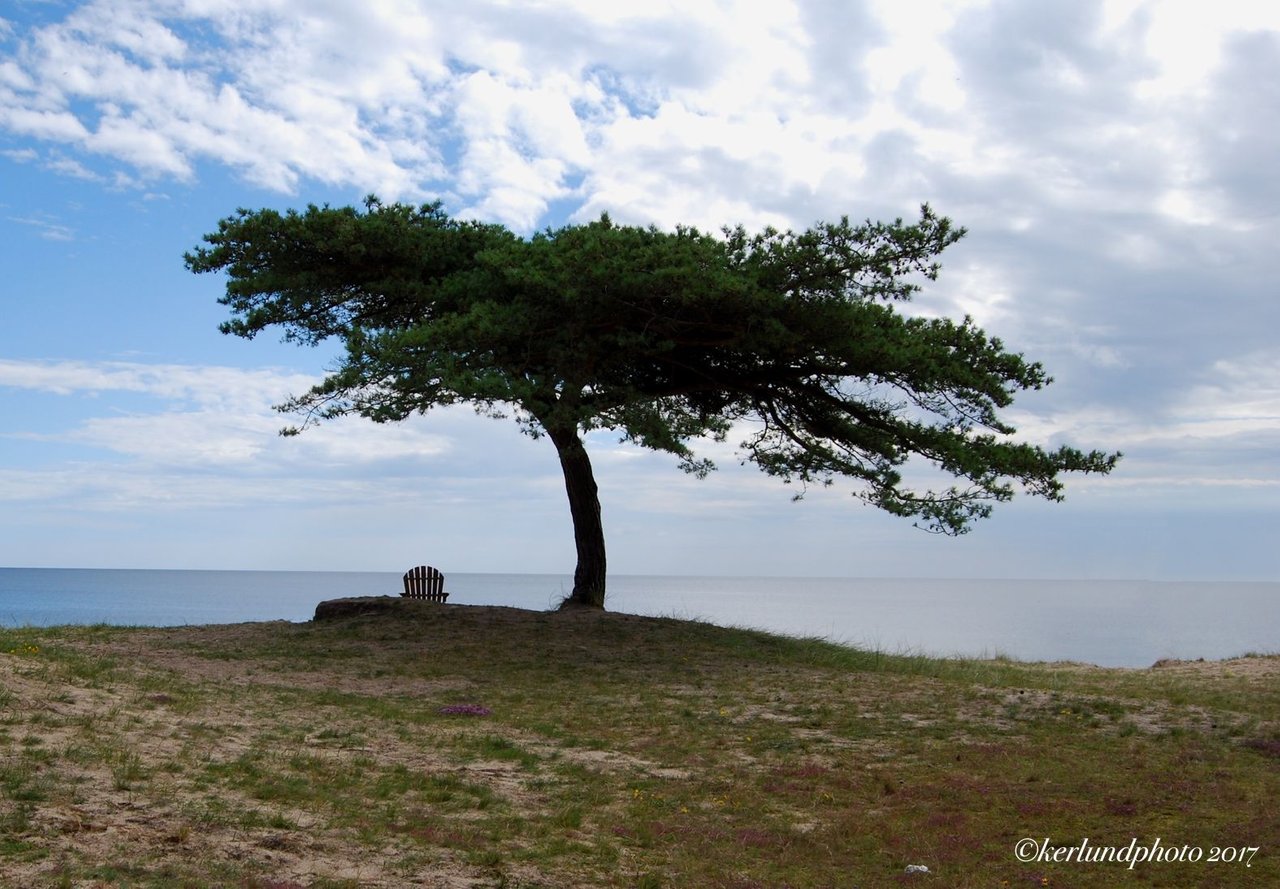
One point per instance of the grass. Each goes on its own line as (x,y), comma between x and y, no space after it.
(494,747)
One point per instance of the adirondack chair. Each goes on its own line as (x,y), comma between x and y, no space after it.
(424,582)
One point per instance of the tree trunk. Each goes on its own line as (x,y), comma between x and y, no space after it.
(588,529)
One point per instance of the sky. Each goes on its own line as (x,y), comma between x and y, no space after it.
(1115,164)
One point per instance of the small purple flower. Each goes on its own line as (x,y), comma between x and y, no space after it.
(465,710)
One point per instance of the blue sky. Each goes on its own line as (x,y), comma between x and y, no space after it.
(1114,163)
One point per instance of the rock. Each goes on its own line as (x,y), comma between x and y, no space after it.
(336,609)
(917,869)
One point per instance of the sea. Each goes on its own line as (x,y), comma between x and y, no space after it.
(1114,623)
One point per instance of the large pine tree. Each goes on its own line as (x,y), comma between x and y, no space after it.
(665,337)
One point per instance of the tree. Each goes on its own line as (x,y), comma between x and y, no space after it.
(664,337)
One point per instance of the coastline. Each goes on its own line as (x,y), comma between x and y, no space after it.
(1110,623)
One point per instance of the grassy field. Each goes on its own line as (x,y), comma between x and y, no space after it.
(459,746)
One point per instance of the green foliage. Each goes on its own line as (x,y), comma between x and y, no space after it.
(664,337)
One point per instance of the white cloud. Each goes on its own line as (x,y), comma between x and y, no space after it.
(49,230)
(1221,433)
(14,77)
(206,438)
(200,416)
(740,112)
(158,104)
(58,126)
(1185,38)
(68,167)
(190,437)
(523,101)
(227,388)
(1241,393)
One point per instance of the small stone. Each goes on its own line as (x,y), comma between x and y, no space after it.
(465,710)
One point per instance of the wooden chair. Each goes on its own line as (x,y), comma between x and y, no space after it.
(424,582)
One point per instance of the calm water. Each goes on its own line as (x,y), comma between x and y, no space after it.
(1113,623)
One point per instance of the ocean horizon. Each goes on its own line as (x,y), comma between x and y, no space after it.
(1115,623)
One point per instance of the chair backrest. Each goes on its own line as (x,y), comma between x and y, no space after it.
(424,582)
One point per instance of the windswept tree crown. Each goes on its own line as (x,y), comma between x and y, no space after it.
(665,337)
